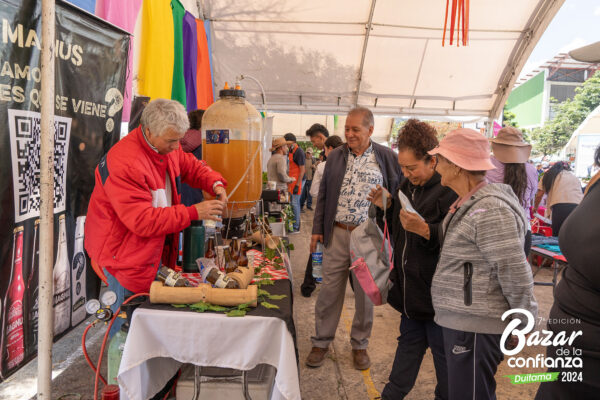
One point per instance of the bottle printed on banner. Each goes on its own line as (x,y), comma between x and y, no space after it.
(13,308)
(61,278)
(78,271)
(32,292)
(317,262)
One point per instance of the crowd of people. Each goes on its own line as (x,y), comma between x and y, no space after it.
(460,262)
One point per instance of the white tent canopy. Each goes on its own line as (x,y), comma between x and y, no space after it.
(326,56)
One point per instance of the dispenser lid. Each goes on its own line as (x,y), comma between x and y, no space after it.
(236,92)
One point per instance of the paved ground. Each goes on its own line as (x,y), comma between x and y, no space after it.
(336,379)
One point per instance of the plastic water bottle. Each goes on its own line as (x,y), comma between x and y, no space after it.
(317,263)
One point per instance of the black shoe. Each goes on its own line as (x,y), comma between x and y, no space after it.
(309,208)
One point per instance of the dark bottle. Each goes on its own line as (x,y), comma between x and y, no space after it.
(230,263)
(14,340)
(171,277)
(243,259)
(32,293)
(266,225)
(219,279)
(210,248)
(253,223)
(247,227)
(235,248)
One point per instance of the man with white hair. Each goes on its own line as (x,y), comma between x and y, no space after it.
(135,212)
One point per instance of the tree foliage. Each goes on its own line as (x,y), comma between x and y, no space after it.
(569,115)
(509,118)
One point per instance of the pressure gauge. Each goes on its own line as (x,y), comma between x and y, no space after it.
(108,298)
(92,306)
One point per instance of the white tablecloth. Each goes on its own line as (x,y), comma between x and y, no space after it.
(160,341)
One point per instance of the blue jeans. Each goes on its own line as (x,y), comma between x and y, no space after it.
(415,337)
(306,197)
(121,292)
(296,209)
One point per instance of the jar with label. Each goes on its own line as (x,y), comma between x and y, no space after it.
(219,279)
(170,277)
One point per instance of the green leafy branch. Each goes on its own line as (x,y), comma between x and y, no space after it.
(239,310)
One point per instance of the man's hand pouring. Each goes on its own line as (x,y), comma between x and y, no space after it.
(210,209)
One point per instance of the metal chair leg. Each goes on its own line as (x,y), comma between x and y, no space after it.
(245,385)
(554,277)
(197,375)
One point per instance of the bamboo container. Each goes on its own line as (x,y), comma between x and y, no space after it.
(270,241)
(204,292)
(243,278)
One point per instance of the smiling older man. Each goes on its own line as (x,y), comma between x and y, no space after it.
(351,171)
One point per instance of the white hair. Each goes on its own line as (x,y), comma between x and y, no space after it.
(368,119)
(160,115)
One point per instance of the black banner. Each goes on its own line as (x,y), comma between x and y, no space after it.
(90,70)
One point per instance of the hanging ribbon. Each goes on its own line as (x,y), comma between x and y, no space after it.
(459,18)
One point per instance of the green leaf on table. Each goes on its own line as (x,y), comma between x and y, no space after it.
(179,305)
(270,253)
(264,282)
(265,275)
(290,246)
(262,292)
(201,306)
(257,269)
(277,266)
(213,307)
(268,305)
(244,306)
(276,296)
(236,313)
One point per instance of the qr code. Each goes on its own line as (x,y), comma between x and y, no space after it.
(25,132)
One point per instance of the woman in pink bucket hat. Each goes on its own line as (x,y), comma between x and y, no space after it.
(510,157)
(482,271)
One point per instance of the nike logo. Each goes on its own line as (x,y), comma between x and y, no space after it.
(460,349)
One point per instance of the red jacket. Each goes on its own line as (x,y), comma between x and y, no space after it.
(128,227)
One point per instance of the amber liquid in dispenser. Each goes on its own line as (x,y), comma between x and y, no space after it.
(231,160)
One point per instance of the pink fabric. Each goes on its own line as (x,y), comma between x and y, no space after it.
(367,283)
(466,148)
(122,14)
(497,128)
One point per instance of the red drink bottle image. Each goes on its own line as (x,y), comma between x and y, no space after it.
(13,303)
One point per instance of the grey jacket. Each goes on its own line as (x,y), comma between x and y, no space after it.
(488,231)
(277,169)
(331,184)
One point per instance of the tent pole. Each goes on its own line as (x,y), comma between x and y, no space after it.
(46,316)
(536,26)
(368,27)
